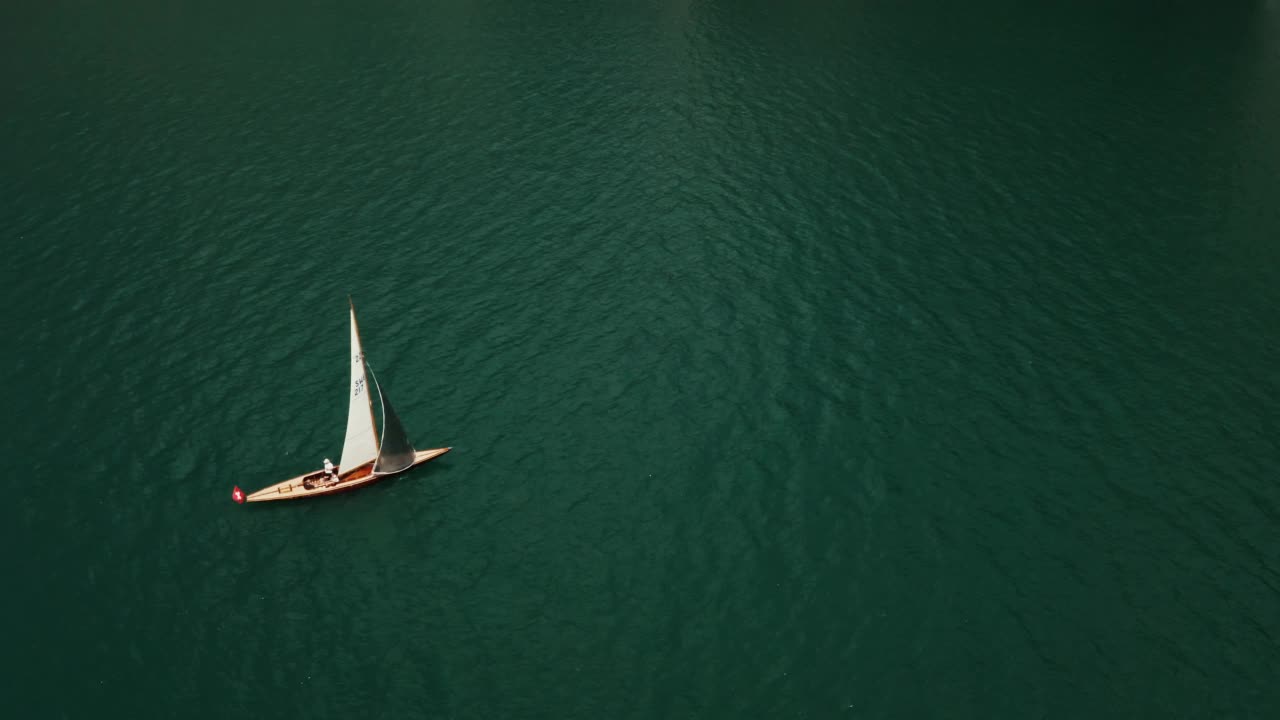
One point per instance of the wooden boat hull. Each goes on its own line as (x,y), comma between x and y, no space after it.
(295,488)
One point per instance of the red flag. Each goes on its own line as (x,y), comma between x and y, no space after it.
(238,495)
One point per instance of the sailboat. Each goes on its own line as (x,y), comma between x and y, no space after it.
(367,456)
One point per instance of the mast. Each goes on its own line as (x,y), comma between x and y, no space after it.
(355,332)
(360,445)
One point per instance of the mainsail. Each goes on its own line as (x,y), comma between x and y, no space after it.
(396,452)
(361,443)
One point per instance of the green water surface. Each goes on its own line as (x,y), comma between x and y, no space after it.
(801,360)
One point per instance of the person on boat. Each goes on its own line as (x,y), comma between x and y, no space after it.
(328,471)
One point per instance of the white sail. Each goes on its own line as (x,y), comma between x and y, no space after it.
(395,452)
(361,443)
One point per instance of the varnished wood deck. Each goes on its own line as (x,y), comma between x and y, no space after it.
(294,488)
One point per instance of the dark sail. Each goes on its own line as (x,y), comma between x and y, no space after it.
(395,453)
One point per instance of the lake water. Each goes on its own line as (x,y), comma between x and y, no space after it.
(806,360)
